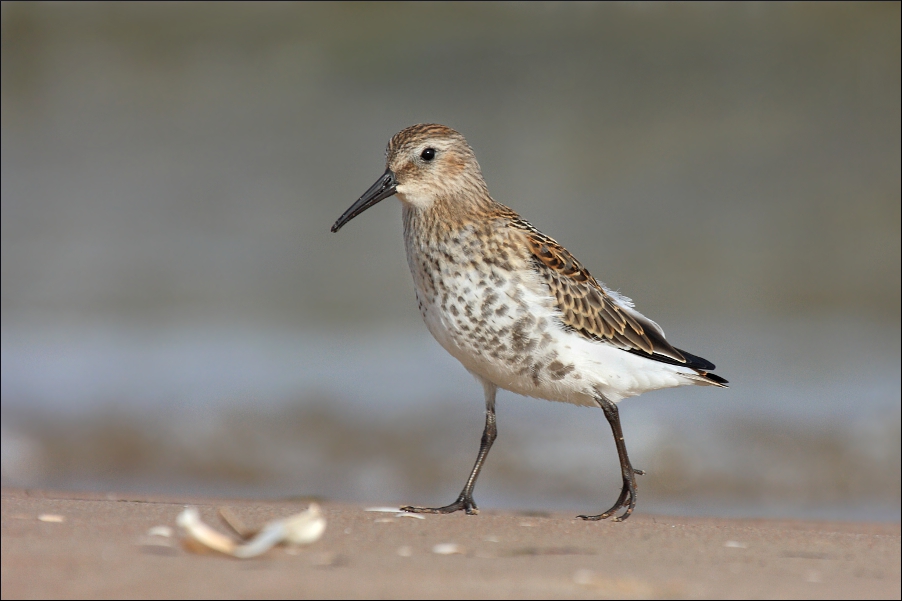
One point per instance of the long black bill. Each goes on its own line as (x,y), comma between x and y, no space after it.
(384,187)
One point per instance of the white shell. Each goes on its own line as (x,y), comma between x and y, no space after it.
(300,529)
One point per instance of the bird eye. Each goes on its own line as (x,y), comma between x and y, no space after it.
(428,154)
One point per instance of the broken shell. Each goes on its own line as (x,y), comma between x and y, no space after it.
(299,529)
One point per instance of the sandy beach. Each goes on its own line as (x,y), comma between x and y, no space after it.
(75,545)
(181,327)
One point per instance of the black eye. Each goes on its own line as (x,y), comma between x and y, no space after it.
(428,154)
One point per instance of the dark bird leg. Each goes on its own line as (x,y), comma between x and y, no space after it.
(465,499)
(628,492)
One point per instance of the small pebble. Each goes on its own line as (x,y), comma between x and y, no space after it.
(51,518)
(160,531)
(448,549)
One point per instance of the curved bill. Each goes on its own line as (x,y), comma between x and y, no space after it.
(384,187)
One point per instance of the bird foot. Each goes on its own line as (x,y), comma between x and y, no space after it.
(627,499)
(463,503)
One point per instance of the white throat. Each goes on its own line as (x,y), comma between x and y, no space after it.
(415,196)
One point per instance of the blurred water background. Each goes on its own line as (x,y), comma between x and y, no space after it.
(177,318)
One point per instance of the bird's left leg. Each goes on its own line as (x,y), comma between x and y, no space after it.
(628,492)
(465,500)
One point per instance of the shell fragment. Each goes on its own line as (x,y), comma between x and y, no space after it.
(300,529)
(52,518)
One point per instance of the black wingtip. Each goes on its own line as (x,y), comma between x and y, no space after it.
(692,361)
(696,362)
(701,365)
(716,379)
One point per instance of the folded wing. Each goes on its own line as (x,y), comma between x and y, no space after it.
(598,314)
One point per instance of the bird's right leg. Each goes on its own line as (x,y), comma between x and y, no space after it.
(465,500)
(627,497)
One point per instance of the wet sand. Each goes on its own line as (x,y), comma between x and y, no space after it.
(101,549)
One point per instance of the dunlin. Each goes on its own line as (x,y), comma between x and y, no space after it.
(514,306)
